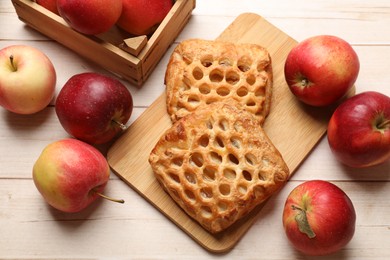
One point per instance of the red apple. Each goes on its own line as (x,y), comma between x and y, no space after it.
(93,107)
(318,218)
(50,5)
(359,130)
(71,174)
(90,16)
(142,17)
(320,70)
(27,79)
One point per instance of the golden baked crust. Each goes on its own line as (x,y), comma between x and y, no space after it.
(201,72)
(217,163)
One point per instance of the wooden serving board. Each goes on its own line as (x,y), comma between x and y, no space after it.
(293,128)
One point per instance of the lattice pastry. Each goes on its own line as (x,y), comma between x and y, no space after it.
(217,163)
(202,72)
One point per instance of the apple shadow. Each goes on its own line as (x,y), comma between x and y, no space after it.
(26,123)
(380,174)
(339,255)
(71,221)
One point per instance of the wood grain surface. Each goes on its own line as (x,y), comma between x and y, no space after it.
(293,128)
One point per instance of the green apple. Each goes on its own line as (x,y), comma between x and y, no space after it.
(27,79)
(71,174)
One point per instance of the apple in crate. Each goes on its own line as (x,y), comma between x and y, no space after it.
(318,218)
(359,130)
(90,16)
(321,69)
(140,17)
(93,107)
(50,5)
(71,174)
(27,79)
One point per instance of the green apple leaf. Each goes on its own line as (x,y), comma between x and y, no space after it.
(303,223)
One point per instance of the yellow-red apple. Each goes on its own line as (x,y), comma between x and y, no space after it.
(321,69)
(71,174)
(27,79)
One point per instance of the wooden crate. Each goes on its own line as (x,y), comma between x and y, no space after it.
(109,49)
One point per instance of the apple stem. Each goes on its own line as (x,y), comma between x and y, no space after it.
(11,59)
(109,198)
(384,124)
(303,223)
(305,82)
(122,126)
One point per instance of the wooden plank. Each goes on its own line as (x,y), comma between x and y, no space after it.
(295,129)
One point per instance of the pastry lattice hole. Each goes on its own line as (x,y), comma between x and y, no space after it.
(225,62)
(232,77)
(189,194)
(223,124)
(207,60)
(190,177)
(233,159)
(193,100)
(215,157)
(222,206)
(251,79)
(219,142)
(175,193)
(204,140)
(250,159)
(209,173)
(216,75)
(197,73)
(229,174)
(206,193)
(224,189)
(250,103)
(261,176)
(247,175)
(178,161)
(174,177)
(244,63)
(211,100)
(242,189)
(197,159)
(261,66)
(204,89)
(236,142)
(206,212)
(223,91)
(260,92)
(242,92)
(209,124)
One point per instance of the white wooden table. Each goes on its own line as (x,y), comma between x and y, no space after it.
(29,228)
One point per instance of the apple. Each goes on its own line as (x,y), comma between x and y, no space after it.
(90,17)
(142,17)
(320,70)
(50,5)
(27,79)
(71,174)
(93,107)
(318,218)
(359,130)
